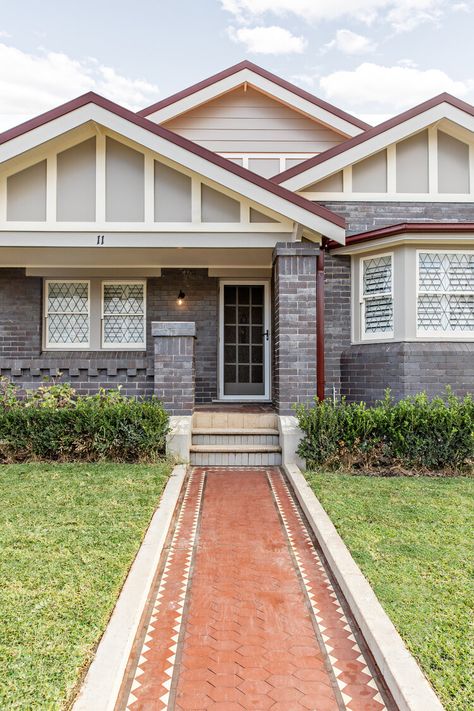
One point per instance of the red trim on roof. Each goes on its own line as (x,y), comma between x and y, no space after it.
(266,75)
(93,98)
(371,133)
(406,227)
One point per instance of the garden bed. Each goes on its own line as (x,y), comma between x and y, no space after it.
(413,540)
(68,535)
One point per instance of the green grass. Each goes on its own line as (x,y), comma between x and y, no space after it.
(68,534)
(413,538)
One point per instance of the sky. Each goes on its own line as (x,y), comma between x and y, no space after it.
(372,58)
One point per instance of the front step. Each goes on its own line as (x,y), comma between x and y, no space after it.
(230,439)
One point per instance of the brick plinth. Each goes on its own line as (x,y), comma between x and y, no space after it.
(294,295)
(175,375)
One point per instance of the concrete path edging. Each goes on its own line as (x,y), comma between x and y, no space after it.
(404,678)
(101,686)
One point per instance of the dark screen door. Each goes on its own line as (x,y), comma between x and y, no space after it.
(244,340)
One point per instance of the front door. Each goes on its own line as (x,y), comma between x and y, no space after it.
(244,341)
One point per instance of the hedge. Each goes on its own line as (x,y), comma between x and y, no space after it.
(415,434)
(54,423)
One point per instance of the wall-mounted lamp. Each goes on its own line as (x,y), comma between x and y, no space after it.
(181,297)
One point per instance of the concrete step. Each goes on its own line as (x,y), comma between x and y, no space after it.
(231,455)
(247,438)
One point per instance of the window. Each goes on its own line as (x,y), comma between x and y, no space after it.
(67,306)
(123,314)
(94,314)
(377,296)
(445,299)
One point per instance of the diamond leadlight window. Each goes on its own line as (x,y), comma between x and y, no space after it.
(124,314)
(67,313)
(377,296)
(445,293)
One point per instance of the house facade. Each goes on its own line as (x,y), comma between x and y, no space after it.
(240,241)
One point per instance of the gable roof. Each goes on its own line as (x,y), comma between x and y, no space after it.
(260,79)
(396,128)
(92,107)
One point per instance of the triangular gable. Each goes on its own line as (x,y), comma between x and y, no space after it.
(215,170)
(352,151)
(248,74)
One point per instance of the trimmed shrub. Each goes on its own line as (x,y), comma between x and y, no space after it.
(415,434)
(54,423)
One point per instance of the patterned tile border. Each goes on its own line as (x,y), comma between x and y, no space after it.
(358,690)
(166,618)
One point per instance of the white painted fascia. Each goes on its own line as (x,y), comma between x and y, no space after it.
(174,152)
(464,239)
(269,87)
(379,142)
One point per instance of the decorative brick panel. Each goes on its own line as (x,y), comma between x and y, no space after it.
(294,332)
(175,378)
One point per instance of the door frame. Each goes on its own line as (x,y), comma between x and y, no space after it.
(267,344)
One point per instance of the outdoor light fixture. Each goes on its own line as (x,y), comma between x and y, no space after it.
(181,297)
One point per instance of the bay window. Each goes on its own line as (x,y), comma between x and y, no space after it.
(377,296)
(445,297)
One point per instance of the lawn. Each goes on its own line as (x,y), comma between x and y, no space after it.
(413,538)
(68,534)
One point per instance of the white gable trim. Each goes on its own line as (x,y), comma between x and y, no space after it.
(367,148)
(272,89)
(180,155)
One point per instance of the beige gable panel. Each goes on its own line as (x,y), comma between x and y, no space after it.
(26,194)
(265,166)
(370,175)
(217,207)
(412,164)
(453,164)
(291,162)
(257,216)
(249,121)
(331,184)
(172,195)
(76,183)
(124,183)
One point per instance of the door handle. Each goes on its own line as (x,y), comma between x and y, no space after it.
(266,335)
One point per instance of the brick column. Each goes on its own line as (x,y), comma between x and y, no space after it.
(174,364)
(294,314)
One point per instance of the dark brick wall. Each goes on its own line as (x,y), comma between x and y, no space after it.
(406,368)
(364,216)
(294,332)
(337,280)
(174,365)
(20,336)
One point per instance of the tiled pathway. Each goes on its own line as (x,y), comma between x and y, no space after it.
(243,616)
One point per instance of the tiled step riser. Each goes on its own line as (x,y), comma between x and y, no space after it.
(237,459)
(236,439)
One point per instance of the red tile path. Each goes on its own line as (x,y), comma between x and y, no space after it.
(244,615)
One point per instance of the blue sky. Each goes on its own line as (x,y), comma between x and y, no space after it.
(373,58)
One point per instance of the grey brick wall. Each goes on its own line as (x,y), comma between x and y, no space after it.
(20,336)
(294,330)
(406,368)
(174,365)
(337,280)
(364,216)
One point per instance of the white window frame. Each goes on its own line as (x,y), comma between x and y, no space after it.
(65,346)
(282,157)
(381,335)
(445,335)
(121,346)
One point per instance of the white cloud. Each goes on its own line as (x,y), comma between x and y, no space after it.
(33,83)
(268,40)
(401,14)
(350,43)
(395,88)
